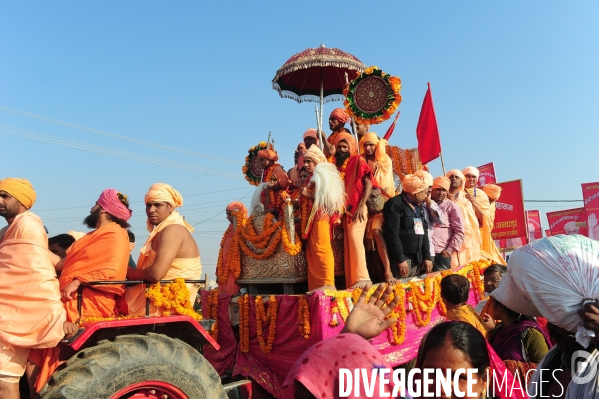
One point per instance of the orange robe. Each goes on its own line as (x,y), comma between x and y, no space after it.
(187,268)
(488,249)
(319,254)
(230,287)
(31,313)
(466,313)
(101,255)
(471,246)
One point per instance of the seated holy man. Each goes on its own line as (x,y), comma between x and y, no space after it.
(170,251)
(100,255)
(276,181)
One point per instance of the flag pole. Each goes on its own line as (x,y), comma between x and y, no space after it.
(442,163)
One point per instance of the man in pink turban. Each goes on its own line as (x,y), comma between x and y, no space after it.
(406,229)
(471,246)
(170,251)
(357,177)
(448,236)
(485,216)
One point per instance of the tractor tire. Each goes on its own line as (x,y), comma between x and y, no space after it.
(102,371)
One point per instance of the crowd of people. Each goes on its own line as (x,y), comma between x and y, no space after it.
(427,225)
(38,305)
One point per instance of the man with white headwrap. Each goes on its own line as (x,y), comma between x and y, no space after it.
(170,251)
(482,208)
(565,295)
(406,229)
(471,246)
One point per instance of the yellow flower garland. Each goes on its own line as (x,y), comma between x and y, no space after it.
(304,317)
(172,296)
(233,264)
(244,323)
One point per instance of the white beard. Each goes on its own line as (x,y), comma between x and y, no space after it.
(329,195)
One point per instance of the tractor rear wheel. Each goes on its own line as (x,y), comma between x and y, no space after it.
(136,366)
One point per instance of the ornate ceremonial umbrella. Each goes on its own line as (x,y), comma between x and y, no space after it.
(316,75)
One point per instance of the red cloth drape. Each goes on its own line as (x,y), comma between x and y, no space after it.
(429,145)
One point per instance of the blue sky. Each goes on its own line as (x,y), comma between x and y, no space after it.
(514,83)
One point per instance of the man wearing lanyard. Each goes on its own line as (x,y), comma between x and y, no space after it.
(405,229)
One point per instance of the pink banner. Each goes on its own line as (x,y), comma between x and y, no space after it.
(569,221)
(510,220)
(535,231)
(487,174)
(590,196)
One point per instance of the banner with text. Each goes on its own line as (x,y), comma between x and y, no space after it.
(590,196)
(533,219)
(548,233)
(569,221)
(510,220)
(487,174)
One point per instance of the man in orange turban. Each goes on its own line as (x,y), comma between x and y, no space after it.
(320,204)
(482,208)
(100,255)
(293,173)
(226,274)
(339,117)
(373,151)
(471,246)
(31,312)
(276,181)
(311,137)
(357,177)
(170,251)
(406,229)
(448,236)
(493,192)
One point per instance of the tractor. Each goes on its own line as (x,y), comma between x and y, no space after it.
(146,357)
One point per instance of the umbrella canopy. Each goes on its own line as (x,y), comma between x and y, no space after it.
(300,78)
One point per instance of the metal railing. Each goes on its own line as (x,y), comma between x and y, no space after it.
(90,284)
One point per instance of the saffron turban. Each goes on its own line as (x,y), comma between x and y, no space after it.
(458,173)
(441,182)
(427,177)
(162,192)
(110,202)
(20,189)
(349,139)
(237,206)
(492,191)
(268,154)
(471,170)
(315,155)
(413,184)
(381,144)
(311,133)
(340,114)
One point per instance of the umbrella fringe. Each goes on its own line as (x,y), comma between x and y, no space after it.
(307,97)
(318,63)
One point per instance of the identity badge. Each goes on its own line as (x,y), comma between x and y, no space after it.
(418,227)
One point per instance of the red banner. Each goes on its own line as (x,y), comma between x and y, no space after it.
(570,221)
(510,220)
(487,174)
(533,219)
(548,233)
(590,196)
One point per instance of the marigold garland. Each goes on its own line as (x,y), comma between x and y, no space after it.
(261,240)
(341,168)
(172,296)
(233,263)
(212,312)
(270,317)
(304,317)
(96,319)
(291,249)
(399,327)
(269,249)
(244,323)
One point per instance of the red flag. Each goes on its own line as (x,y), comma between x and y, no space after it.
(391,128)
(429,145)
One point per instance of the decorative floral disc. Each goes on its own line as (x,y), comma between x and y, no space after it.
(373,96)
(252,168)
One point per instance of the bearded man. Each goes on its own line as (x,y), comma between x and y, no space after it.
(170,251)
(31,313)
(373,151)
(276,181)
(100,255)
(320,204)
(471,246)
(357,178)
(405,229)
(482,208)
(339,117)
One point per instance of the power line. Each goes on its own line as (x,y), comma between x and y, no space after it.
(552,200)
(115,153)
(116,136)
